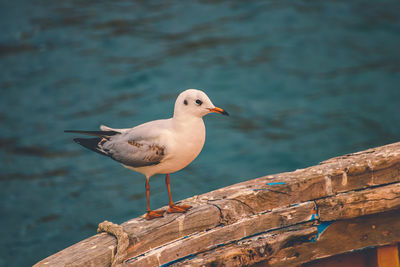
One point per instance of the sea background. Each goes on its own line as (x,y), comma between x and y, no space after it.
(303,81)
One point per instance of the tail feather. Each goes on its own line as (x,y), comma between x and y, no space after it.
(92,144)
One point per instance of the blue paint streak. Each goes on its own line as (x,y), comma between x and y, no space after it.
(321,228)
(276,183)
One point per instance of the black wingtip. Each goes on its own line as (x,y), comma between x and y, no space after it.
(91,144)
(94,133)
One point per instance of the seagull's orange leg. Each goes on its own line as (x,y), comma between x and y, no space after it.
(174,208)
(151,214)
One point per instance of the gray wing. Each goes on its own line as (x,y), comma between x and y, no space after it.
(133,153)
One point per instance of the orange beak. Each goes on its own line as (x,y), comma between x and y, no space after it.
(219,110)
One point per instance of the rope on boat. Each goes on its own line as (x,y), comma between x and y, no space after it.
(122,241)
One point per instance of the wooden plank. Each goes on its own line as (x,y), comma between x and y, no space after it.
(327,184)
(359,203)
(143,235)
(352,172)
(216,237)
(150,234)
(252,250)
(293,247)
(355,259)
(388,256)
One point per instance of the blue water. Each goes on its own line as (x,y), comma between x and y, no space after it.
(303,81)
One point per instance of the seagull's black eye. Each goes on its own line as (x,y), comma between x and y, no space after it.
(199,102)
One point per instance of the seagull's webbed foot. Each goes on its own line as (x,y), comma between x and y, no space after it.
(152,214)
(178,208)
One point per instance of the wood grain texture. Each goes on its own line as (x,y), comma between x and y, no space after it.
(296,246)
(358,203)
(388,256)
(286,204)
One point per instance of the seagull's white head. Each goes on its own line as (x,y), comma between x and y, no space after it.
(195,103)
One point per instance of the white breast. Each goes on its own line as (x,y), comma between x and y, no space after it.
(185,143)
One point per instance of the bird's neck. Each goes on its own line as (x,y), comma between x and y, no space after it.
(185,121)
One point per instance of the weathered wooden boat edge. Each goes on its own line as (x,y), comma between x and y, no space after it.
(227,223)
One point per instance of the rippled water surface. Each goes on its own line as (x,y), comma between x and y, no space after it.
(302,80)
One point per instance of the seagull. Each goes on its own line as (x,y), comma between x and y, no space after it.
(158,147)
